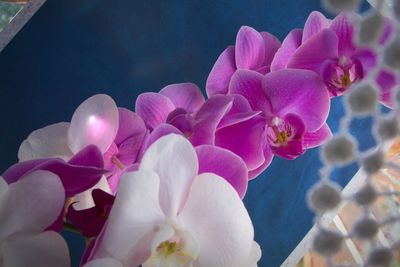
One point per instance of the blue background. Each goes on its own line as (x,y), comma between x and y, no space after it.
(73,49)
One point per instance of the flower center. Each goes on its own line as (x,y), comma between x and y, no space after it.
(340,74)
(343,77)
(178,251)
(279,133)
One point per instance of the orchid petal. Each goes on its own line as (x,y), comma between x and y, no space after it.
(160,131)
(225,164)
(50,141)
(221,73)
(240,111)
(317,49)
(95,122)
(208,118)
(219,223)
(288,48)
(130,148)
(292,150)
(104,262)
(240,104)
(232,119)
(317,138)
(386,81)
(387,31)
(268,157)
(250,133)
(255,255)
(174,159)
(248,84)
(139,191)
(130,124)
(47,249)
(84,200)
(3,186)
(344,29)
(184,95)
(91,221)
(316,22)
(249,48)
(368,59)
(82,172)
(183,122)
(153,108)
(300,92)
(272,45)
(31,204)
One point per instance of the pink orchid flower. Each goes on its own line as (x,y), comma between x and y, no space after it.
(253,51)
(27,207)
(181,109)
(117,132)
(328,48)
(170,221)
(154,108)
(293,107)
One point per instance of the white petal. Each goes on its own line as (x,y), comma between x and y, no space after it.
(174,159)
(95,122)
(47,249)
(255,255)
(104,262)
(3,186)
(133,220)
(84,200)
(216,217)
(32,203)
(47,142)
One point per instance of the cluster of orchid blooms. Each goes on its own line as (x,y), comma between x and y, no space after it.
(163,186)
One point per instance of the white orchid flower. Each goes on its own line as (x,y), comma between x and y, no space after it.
(165,214)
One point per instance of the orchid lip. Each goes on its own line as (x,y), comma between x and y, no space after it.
(172,251)
(339,74)
(279,133)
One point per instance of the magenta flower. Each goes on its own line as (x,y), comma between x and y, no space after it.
(167,214)
(127,146)
(154,108)
(253,51)
(293,106)
(328,48)
(199,128)
(117,132)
